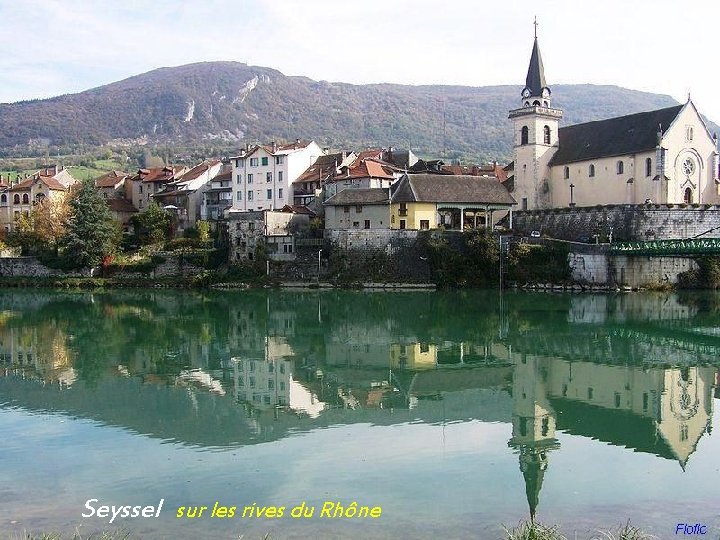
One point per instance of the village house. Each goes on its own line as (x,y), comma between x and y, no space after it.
(367,171)
(218,197)
(263,175)
(184,195)
(19,198)
(360,208)
(428,201)
(666,156)
(273,229)
(308,186)
(140,188)
(111,185)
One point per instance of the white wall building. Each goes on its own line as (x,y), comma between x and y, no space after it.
(263,174)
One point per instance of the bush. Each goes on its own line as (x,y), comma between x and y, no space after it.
(706,276)
(532,263)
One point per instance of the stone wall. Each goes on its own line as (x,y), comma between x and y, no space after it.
(172,266)
(388,240)
(625,222)
(622,270)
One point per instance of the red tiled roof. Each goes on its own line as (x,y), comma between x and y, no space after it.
(111,179)
(49,181)
(365,168)
(198,170)
(323,167)
(159,174)
(297,209)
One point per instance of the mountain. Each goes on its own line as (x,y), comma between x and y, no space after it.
(237,103)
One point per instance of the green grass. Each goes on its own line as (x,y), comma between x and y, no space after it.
(529,530)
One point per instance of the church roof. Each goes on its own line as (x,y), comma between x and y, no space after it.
(613,137)
(535,79)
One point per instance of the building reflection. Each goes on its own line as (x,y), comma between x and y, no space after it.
(633,374)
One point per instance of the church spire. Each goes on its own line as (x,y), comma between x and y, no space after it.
(535,85)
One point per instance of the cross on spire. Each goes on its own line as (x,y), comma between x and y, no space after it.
(535,23)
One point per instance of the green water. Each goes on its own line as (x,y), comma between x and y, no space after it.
(454,413)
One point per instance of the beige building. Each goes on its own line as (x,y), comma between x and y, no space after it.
(662,156)
(20,198)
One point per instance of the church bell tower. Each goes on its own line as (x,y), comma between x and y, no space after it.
(535,126)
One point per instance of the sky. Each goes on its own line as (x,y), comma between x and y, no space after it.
(53,47)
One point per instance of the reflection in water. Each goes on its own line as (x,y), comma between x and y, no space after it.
(224,370)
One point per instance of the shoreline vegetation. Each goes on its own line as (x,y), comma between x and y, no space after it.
(525,530)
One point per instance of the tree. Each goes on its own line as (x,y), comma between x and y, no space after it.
(92,233)
(151,225)
(50,218)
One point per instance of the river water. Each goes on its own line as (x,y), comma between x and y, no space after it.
(454,413)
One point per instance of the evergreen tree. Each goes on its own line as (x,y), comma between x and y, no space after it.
(92,233)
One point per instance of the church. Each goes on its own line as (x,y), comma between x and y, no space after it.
(666,156)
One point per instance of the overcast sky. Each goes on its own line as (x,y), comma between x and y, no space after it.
(53,47)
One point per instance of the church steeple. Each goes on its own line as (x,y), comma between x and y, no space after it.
(536,91)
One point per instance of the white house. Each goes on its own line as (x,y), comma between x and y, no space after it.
(263,174)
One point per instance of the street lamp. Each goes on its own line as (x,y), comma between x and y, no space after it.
(318,273)
(572,201)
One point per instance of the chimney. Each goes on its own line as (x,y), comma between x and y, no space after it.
(274,147)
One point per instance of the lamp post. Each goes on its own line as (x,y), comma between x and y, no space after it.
(318,272)
(572,201)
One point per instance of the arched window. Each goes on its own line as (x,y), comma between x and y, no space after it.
(546,134)
(689,134)
(546,104)
(566,173)
(3,198)
(536,103)
(591,170)
(648,166)
(16,199)
(527,103)
(524,134)
(688,198)
(26,198)
(620,167)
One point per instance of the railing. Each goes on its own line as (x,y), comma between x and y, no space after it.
(688,246)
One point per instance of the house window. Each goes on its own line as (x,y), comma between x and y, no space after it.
(251,226)
(238,178)
(524,134)
(356,224)
(280,193)
(264,161)
(253,162)
(524,203)
(402,223)
(26,199)
(590,393)
(280,176)
(645,401)
(239,195)
(566,173)
(346,209)
(617,400)
(141,190)
(619,167)
(269,194)
(403,209)
(287,248)
(249,197)
(358,209)
(367,223)
(239,162)
(3,198)
(268,177)
(648,167)
(591,170)
(424,224)
(279,160)
(546,134)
